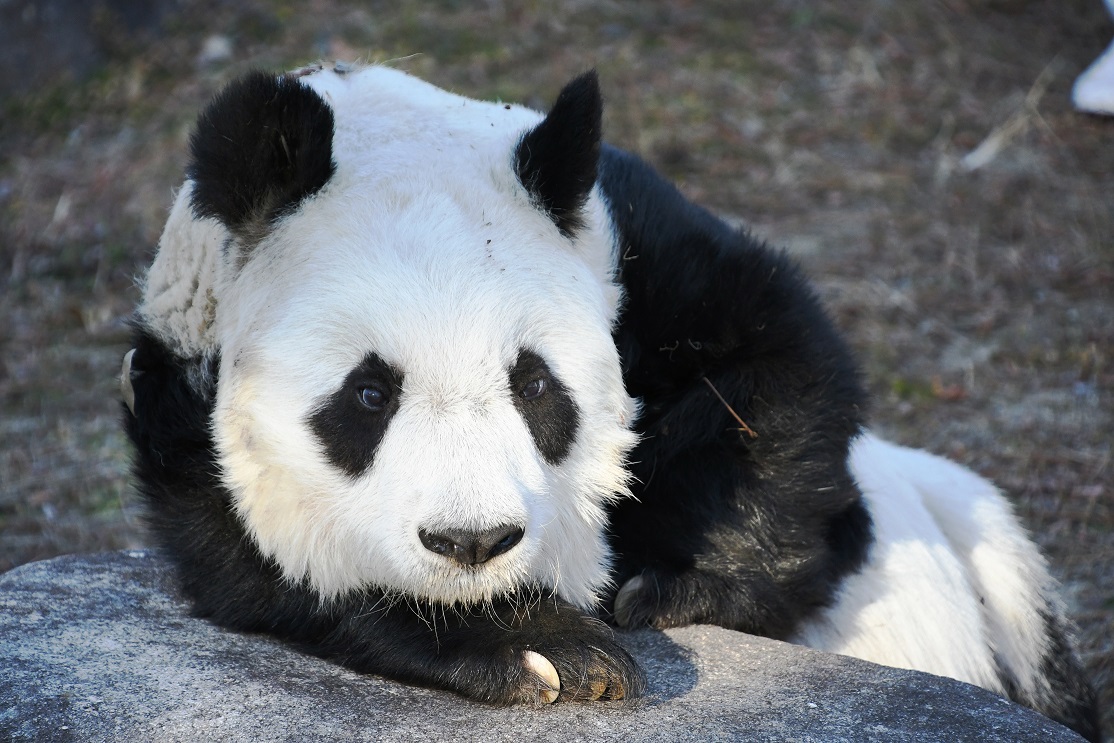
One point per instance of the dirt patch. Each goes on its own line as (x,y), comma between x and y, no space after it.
(980,300)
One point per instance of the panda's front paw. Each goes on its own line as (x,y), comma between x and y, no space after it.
(553,653)
(586,669)
(630,606)
(657,601)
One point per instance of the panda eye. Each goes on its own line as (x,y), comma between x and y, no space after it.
(372,398)
(535,388)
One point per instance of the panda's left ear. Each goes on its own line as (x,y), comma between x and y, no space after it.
(261,147)
(557,160)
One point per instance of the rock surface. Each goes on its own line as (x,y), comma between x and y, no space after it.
(102,648)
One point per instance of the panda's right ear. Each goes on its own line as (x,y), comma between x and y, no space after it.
(558,160)
(262,146)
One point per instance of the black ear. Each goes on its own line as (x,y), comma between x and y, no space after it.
(263,145)
(557,160)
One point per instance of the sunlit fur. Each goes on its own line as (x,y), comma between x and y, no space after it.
(953,585)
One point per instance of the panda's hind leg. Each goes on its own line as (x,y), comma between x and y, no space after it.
(1008,581)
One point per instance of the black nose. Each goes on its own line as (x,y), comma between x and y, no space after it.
(471,547)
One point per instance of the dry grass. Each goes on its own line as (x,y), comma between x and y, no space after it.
(980,300)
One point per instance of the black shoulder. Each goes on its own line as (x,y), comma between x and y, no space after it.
(700,292)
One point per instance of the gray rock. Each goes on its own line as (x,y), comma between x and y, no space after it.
(102,648)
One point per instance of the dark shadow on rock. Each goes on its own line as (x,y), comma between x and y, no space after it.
(670,668)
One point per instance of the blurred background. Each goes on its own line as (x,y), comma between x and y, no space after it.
(921,158)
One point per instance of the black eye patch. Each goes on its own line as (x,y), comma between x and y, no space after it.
(545,404)
(352,421)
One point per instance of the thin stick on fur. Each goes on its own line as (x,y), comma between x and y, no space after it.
(742,424)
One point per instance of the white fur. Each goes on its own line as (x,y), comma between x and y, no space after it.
(951,579)
(180,290)
(424,249)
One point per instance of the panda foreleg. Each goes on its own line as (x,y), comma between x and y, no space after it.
(506,652)
(501,653)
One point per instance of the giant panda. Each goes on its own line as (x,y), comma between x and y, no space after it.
(445,390)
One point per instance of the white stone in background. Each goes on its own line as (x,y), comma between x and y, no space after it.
(215,48)
(1094,89)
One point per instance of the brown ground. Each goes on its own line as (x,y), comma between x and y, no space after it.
(981,301)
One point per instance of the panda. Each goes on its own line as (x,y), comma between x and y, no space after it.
(446,390)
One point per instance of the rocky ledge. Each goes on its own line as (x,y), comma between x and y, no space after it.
(103,648)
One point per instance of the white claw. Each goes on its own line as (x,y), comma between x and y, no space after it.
(126,381)
(540,666)
(625,598)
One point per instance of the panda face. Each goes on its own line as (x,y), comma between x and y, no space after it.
(418,387)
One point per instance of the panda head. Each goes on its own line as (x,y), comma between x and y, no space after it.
(412,300)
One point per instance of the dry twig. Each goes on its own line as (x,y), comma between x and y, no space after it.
(743,427)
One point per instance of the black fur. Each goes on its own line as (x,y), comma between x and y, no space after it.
(262,146)
(349,430)
(763,520)
(1075,704)
(553,417)
(556,161)
(476,651)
